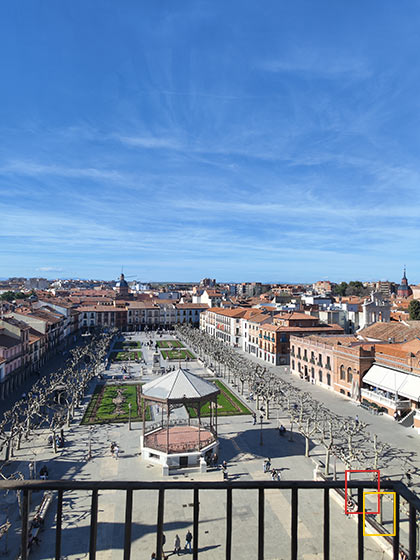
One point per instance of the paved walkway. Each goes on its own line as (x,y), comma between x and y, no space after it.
(240,445)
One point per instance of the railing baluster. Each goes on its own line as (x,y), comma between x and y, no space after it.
(326,524)
(396,540)
(159,543)
(412,555)
(229,524)
(294,522)
(360,543)
(195,524)
(93,525)
(58,525)
(127,526)
(25,515)
(260,523)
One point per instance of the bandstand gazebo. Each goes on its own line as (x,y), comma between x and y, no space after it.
(179,442)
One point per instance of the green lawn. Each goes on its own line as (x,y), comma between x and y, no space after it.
(130,345)
(170,344)
(228,404)
(102,409)
(124,356)
(177,354)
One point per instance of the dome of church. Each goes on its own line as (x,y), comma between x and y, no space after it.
(122,283)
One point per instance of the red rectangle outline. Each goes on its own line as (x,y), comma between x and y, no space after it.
(345,491)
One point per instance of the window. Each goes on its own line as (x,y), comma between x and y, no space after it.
(320,376)
(342,373)
(349,375)
(328,379)
(293,364)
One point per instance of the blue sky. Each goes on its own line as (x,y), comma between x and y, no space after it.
(271,141)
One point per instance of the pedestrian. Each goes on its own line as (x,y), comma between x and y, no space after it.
(177,545)
(356,420)
(254,416)
(268,464)
(188,539)
(215,459)
(273,474)
(225,473)
(153,557)
(31,470)
(112,448)
(116,451)
(265,466)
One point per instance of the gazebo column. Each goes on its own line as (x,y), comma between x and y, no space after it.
(215,406)
(199,425)
(167,432)
(143,414)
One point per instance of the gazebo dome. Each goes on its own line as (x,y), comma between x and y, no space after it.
(179,385)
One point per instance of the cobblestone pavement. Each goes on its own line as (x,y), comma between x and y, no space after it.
(239,446)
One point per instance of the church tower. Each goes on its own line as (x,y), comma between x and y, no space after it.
(122,287)
(404,289)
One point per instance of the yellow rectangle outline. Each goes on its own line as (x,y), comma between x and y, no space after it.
(364,516)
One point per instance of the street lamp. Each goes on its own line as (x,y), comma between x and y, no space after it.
(89,457)
(129,416)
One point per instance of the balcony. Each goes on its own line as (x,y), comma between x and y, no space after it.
(403,542)
(400,404)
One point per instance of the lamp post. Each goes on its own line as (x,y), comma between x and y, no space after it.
(89,456)
(129,416)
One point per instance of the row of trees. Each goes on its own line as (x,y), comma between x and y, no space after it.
(346,438)
(52,402)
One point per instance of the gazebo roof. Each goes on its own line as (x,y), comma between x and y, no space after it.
(179,385)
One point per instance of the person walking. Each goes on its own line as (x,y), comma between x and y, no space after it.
(254,416)
(116,451)
(225,473)
(188,539)
(357,420)
(177,545)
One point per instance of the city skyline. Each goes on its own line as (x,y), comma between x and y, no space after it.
(210,139)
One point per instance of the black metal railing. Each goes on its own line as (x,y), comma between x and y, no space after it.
(61,487)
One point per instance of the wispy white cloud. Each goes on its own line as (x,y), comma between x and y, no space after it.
(313,61)
(35,169)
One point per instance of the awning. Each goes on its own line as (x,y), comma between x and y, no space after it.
(405,384)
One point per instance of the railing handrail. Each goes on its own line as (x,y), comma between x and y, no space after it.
(394,485)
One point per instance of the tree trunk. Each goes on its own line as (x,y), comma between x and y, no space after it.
(327,462)
(306,446)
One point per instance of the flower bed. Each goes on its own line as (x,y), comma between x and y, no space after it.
(183,355)
(109,403)
(227,404)
(124,356)
(169,344)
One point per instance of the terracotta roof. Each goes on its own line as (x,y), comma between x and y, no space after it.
(294,315)
(236,312)
(7,341)
(191,306)
(260,318)
(332,340)
(400,332)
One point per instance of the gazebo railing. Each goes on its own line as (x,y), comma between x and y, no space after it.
(151,441)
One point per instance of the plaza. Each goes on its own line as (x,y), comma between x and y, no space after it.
(242,444)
